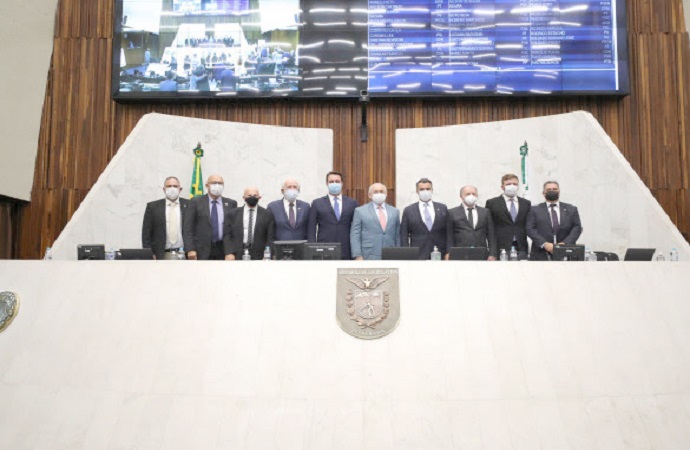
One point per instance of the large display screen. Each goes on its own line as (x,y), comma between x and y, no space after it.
(166,49)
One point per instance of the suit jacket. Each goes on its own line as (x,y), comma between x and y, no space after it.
(154,233)
(414,233)
(233,233)
(503,223)
(366,236)
(283,231)
(323,226)
(197,231)
(539,228)
(460,234)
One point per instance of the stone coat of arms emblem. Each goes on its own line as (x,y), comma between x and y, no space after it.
(368,302)
(9,307)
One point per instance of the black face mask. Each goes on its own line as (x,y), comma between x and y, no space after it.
(252,201)
(551,196)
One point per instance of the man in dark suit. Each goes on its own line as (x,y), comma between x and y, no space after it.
(552,222)
(469,225)
(330,217)
(163,219)
(249,228)
(509,214)
(291,215)
(204,220)
(424,222)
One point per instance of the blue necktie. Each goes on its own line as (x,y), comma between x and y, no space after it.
(214,221)
(427,217)
(513,211)
(336,208)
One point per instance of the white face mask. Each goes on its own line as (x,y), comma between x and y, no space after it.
(378,198)
(172,193)
(425,195)
(216,189)
(470,200)
(510,190)
(291,194)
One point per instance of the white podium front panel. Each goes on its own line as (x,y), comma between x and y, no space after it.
(218,355)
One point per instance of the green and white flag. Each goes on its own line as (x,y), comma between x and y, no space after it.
(524,153)
(197,186)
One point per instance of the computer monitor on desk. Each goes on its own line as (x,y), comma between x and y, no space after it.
(129,254)
(568,253)
(399,253)
(321,251)
(288,250)
(90,252)
(469,254)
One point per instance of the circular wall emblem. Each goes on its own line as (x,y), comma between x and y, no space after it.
(9,307)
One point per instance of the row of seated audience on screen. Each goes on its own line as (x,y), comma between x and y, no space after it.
(214,227)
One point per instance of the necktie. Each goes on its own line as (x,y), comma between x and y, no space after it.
(214,221)
(382,218)
(250,228)
(427,217)
(554,220)
(291,216)
(513,211)
(470,217)
(336,208)
(172,224)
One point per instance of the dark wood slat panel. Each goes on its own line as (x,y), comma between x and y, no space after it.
(82,129)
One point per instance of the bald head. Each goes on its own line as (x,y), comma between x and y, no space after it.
(251,191)
(215,185)
(214,179)
(290,183)
(377,188)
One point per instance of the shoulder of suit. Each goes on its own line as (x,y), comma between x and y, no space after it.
(494,200)
(274,203)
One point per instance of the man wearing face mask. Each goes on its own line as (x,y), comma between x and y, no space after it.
(204,221)
(249,228)
(374,226)
(470,225)
(163,219)
(552,222)
(291,215)
(509,213)
(330,217)
(424,222)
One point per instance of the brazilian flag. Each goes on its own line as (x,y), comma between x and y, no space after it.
(197,188)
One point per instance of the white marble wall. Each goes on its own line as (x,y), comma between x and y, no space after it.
(107,355)
(26,45)
(616,208)
(162,145)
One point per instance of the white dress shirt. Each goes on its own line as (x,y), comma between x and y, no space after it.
(432,212)
(340,201)
(383,208)
(475,214)
(245,222)
(508,202)
(286,206)
(172,212)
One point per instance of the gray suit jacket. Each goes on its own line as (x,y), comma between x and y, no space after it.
(461,234)
(366,236)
